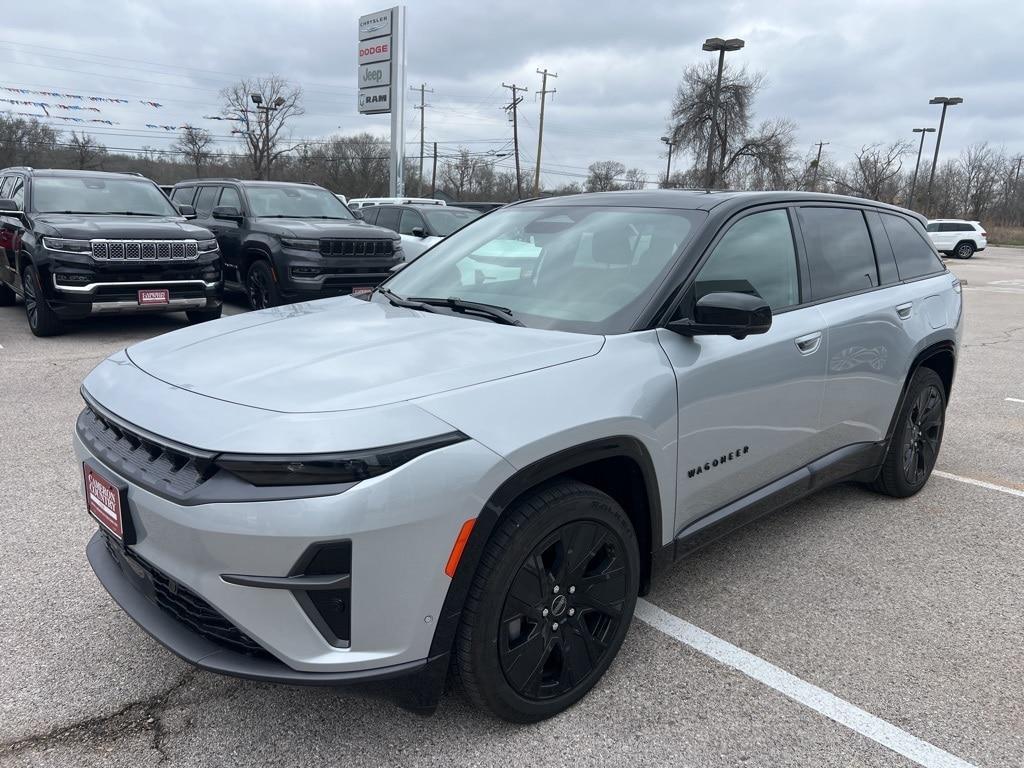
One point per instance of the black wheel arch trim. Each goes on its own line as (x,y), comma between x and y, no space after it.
(530,476)
(944,347)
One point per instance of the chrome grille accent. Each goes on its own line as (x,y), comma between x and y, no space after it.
(145,250)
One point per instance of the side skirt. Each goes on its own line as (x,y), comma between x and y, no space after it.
(860,462)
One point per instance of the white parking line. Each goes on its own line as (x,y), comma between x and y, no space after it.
(979,483)
(1007,399)
(818,699)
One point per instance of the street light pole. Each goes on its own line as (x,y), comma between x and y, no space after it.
(913,183)
(265,110)
(720,45)
(945,101)
(668,168)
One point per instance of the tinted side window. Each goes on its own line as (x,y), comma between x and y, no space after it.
(17,193)
(205,200)
(933,226)
(964,228)
(914,256)
(369,213)
(755,256)
(388,217)
(839,254)
(5,188)
(183,195)
(410,219)
(229,196)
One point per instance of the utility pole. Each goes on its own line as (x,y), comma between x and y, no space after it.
(513,107)
(817,165)
(433,174)
(422,107)
(540,129)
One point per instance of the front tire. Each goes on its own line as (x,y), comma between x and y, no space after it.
(964,250)
(261,287)
(550,603)
(42,320)
(917,439)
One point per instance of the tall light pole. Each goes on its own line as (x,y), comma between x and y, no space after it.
(668,168)
(913,183)
(720,45)
(265,110)
(945,101)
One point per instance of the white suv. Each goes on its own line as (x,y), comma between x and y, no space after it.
(957,237)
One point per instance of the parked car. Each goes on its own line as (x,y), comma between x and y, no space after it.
(420,226)
(366,202)
(483,466)
(482,207)
(80,243)
(285,242)
(957,237)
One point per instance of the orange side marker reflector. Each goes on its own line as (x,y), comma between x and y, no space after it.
(460,545)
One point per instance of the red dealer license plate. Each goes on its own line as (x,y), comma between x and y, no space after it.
(103,500)
(149,296)
(362,290)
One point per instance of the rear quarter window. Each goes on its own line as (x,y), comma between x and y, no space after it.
(915,256)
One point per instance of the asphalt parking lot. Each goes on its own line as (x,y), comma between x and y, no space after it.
(849,629)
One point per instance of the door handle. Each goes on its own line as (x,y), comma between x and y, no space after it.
(903,310)
(809,344)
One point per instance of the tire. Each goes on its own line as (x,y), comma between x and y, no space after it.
(7,296)
(917,439)
(261,287)
(42,320)
(964,250)
(196,316)
(513,655)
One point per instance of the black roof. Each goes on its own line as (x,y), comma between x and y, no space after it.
(71,172)
(425,207)
(248,182)
(704,200)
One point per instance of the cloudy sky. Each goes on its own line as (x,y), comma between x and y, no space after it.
(850,73)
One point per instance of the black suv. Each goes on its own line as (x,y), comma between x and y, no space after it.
(79,243)
(285,242)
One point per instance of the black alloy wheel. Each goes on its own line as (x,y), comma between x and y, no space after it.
(42,320)
(922,434)
(260,287)
(550,603)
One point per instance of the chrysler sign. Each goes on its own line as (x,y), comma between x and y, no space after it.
(375,25)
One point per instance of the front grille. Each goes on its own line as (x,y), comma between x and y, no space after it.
(357,248)
(185,605)
(145,250)
(150,464)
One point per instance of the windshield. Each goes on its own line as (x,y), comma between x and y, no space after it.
(296,203)
(572,268)
(51,194)
(445,221)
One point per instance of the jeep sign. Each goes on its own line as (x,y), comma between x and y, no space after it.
(375,75)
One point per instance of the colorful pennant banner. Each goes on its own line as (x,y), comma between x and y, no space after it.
(77,96)
(165,127)
(65,118)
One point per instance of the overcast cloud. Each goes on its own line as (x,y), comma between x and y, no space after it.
(849,73)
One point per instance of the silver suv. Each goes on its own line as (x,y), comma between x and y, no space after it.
(486,461)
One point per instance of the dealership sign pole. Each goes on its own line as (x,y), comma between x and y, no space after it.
(382,80)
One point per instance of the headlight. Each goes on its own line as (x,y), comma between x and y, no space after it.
(67,246)
(208,246)
(327,468)
(300,244)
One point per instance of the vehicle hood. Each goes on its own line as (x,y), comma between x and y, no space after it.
(86,227)
(344,353)
(317,228)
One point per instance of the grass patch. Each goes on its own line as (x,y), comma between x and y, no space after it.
(1006,236)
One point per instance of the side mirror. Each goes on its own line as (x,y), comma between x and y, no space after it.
(9,206)
(419,232)
(358,214)
(726,314)
(186,210)
(227,213)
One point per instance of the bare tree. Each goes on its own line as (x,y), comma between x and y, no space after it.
(739,151)
(603,174)
(263,126)
(634,179)
(194,144)
(87,151)
(875,172)
(26,142)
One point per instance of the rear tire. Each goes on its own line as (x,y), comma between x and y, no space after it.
(964,250)
(550,603)
(261,287)
(917,439)
(7,295)
(42,320)
(196,316)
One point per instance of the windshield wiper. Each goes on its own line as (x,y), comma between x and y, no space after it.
(502,315)
(398,301)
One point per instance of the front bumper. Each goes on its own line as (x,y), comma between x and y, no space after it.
(401,525)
